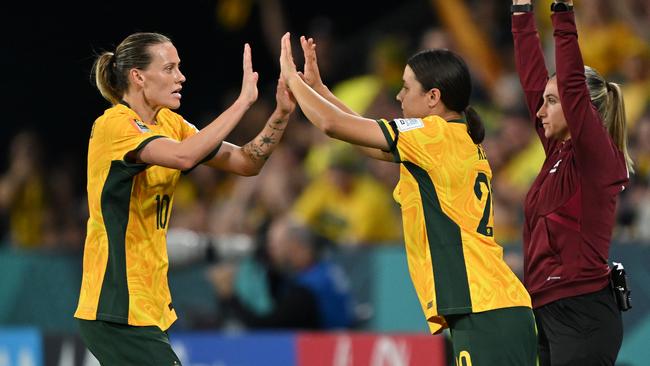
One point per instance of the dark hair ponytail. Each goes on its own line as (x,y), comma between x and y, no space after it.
(446,71)
(475,127)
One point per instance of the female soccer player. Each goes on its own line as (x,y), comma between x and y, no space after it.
(570,208)
(136,152)
(444,192)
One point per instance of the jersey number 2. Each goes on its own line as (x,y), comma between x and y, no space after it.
(483,227)
(162,209)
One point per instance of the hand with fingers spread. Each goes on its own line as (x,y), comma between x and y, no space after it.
(311,73)
(287,66)
(248,92)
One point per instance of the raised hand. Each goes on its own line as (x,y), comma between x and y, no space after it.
(287,66)
(311,73)
(286,104)
(249,81)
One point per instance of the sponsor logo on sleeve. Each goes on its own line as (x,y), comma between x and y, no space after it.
(407,124)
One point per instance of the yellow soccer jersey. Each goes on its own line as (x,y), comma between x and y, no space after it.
(445,196)
(125,255)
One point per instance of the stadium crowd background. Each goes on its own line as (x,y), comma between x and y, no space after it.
(47,53)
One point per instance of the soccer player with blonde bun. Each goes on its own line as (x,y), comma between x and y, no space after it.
(136,153)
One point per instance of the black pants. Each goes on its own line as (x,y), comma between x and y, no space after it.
(582,330)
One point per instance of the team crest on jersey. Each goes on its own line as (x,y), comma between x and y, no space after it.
(141,126)
(407,124)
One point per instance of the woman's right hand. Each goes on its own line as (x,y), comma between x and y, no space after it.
(249,82)
(287,66)
(311,74)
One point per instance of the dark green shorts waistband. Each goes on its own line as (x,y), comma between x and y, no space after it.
(124,345)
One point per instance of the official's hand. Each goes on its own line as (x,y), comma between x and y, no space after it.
(249,81)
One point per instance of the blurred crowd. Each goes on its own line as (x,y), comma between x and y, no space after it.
(341,197)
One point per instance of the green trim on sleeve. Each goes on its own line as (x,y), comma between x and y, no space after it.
(146,141)
(208,157)
(138,148)
(392,144)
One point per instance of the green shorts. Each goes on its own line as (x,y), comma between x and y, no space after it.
(501,337)
(122,345)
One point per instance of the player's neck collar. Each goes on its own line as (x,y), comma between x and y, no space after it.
(459,120)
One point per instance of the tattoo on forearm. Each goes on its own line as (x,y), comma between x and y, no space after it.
(254,151)
(262,146)
(276,125)
(267,140)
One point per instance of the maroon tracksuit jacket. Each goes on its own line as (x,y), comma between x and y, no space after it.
(570,208)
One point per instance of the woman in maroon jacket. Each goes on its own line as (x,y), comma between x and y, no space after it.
(570,208)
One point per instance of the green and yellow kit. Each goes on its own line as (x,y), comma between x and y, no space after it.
(445,195)
(125,255)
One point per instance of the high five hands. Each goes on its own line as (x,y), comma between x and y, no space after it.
(248,92)
(287,66)
(311,74)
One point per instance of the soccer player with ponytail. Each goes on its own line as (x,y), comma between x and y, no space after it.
(136,153)
(444,191)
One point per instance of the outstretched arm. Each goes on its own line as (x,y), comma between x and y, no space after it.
(529,60)
(186,154)
(595,151)
(312,77)
(323,114)
(249,159)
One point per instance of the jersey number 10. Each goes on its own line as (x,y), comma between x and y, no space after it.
(162,209)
